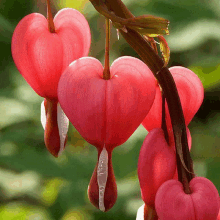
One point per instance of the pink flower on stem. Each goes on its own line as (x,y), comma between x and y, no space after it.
(41,53)
(201,204)
(106,112)
(156,164)
(191,93)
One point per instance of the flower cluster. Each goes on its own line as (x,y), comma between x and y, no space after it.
(107,104)
(161,191)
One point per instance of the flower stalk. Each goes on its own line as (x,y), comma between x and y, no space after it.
(106,72)
(163,123)
(51,26)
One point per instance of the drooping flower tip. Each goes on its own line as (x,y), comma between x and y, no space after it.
(102,189)
(55,124)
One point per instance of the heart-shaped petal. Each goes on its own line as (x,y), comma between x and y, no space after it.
(173,203)
(106,112)
(156,164)
(41,56)
(191,94)
(74,32)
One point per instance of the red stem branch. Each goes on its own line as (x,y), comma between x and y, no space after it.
(51,26)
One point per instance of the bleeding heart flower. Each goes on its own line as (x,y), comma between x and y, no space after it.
(42,56)
(191,95)
(156,164)
(106,112)
(173,203)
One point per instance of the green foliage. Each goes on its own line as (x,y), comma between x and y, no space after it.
(33,184)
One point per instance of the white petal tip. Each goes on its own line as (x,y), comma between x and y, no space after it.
(43,115)
(102,176)
(140,213)
(63,125)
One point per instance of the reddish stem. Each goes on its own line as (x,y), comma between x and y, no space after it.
(50,18)
(163,124)
(106,72)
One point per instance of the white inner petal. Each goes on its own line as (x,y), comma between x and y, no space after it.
(43,115)
(140,213)
(63,125)
(102,175)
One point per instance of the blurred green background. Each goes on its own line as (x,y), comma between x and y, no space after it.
(33,184)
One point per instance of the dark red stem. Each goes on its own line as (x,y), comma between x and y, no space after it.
(163,124)
(50,18)
(106,72)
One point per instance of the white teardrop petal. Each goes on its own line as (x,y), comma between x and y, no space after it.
(63,125)
(140,213)
(43,115)
(102,176)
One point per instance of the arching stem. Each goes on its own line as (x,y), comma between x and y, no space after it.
(163,124)
(51,26)
(106,72)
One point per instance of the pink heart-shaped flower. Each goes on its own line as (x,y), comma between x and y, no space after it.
(106,112)
(156,164)
(191,95)
(173,203)
(42,56)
